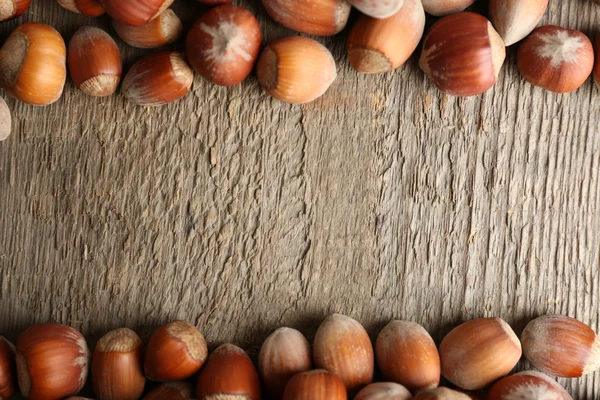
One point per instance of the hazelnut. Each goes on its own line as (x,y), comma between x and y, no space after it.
(407,354)
(384,391)
(177,349)
(94,61)
(378,8)
(456,39)
(158,79)
(228,374)
(441,393)
(172,391)
(556,59)
(8,368)
(515,19)
(117,366)
(10,9)
(284,354)
(528,385)
(478,352)
(440,8)
(296,69)
(561,346)
(315,385)
(223,44)
(373,45)
(343,347)
(135,12)
(5,124)
(315,17)
(33,64)
(162,30)
(91,8)
(52,361)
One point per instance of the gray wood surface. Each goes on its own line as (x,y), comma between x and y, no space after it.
(384,199)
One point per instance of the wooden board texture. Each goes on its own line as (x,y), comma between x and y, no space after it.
(384,199)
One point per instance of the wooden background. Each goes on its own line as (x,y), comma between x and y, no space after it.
(384,199)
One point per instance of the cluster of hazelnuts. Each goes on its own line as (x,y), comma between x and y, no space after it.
(51,362)
(462,53)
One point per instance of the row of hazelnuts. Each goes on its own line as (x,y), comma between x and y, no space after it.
(51,362)
(462,53)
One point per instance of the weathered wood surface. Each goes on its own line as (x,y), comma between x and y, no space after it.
(384,199)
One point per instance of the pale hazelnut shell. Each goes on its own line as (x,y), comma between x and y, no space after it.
(378,8)
(439,8)
(384,391)
(515,19)
(528,385)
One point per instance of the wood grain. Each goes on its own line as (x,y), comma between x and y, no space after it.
(384,199)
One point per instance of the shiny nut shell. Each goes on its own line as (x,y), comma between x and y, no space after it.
(315,17)
(384,391)
(556,59)
(94,60)
(52,361)
(441,393)
(377,8)
(177,349)
(343,347)
(456,39)
(528,385)
(315,385)
(223,44)
(158,79)
(407,354)
(373,45)
(13,8)
(285,353)
(135,12)
(478,352)
(162,30)
(440,8)
(117,366)
(8,368)
(296,69)
(228,372)
(561,346)
(515,19)
(33,64)
(172,391)
(91,8)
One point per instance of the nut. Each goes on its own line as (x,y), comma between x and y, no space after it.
(135,12)
(556,59)
(528,385)
(407,354)
(8,368)
(315,17)
(228,374)
(439,8)
(33,64)
(378,8)
(284,354)
(384,391)
(296,69)
(117,366)
(10,9)
(172,391)
(52,361)
(441,393)
(373,46)
(561,346)
(162,30)
(5,129)
(155,80)
(177,349)
(343,347)
(456,39)
(478,352)
(91,8)
(223,44)
(515,19)
(317,384)
(94,62)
